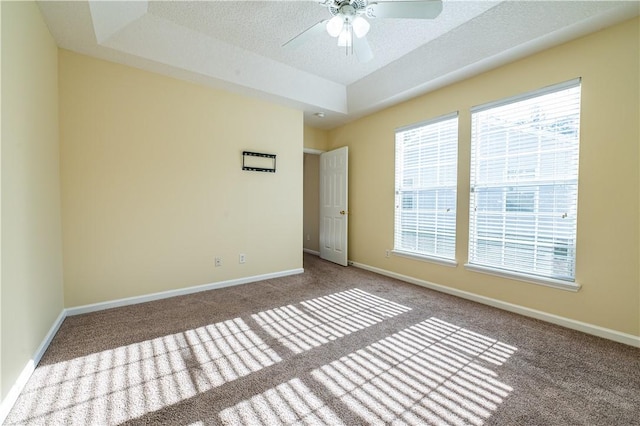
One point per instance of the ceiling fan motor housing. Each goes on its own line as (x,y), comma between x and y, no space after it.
(347,8)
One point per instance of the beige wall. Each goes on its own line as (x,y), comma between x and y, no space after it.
(607,262)
(311,223)
(31,233)
(152,185)
(315,138)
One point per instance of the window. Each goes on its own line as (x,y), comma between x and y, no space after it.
(426,178)
(524,184)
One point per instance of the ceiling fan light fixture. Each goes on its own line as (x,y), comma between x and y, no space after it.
(345,39)
(360,26)
(335,26)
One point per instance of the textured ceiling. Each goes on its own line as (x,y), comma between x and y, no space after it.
(262,28)
(237,45)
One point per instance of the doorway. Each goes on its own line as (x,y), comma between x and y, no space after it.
(325,209)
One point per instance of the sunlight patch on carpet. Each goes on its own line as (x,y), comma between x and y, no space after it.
(315,322)
(429,373)
(116,385)
(288,403)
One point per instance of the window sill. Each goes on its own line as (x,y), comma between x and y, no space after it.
(425,258)
(548,282)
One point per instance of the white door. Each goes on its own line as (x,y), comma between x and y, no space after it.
(334,168)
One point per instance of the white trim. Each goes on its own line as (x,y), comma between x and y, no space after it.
(548,282)
(426,258)
(313,151)
(423,123)
(315,253)
(595,330)
(94,307)
(12,396)
(528,95)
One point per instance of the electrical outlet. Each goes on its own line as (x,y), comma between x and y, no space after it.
(242,258)
(218,261)
(387,253)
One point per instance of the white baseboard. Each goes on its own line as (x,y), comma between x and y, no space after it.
(11,398)
(306,250)
(616,336)
(94,307)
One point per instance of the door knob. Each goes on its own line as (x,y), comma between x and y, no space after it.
(342,212)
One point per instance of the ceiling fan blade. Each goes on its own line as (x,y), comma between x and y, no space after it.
(428,9)
(306,35)
(362,49)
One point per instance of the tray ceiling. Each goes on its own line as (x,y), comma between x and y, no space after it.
(237,46)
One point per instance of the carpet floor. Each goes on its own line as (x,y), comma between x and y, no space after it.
(332,346)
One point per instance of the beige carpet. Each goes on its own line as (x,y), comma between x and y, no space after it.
(331,346)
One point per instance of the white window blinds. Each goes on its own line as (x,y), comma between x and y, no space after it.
(524,183)
(426,178)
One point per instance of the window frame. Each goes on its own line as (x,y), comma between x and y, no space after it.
(566,283)
(399,197)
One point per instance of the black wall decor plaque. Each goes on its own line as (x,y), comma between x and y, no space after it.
(258,162)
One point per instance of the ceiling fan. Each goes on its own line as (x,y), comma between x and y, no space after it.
(350,26)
